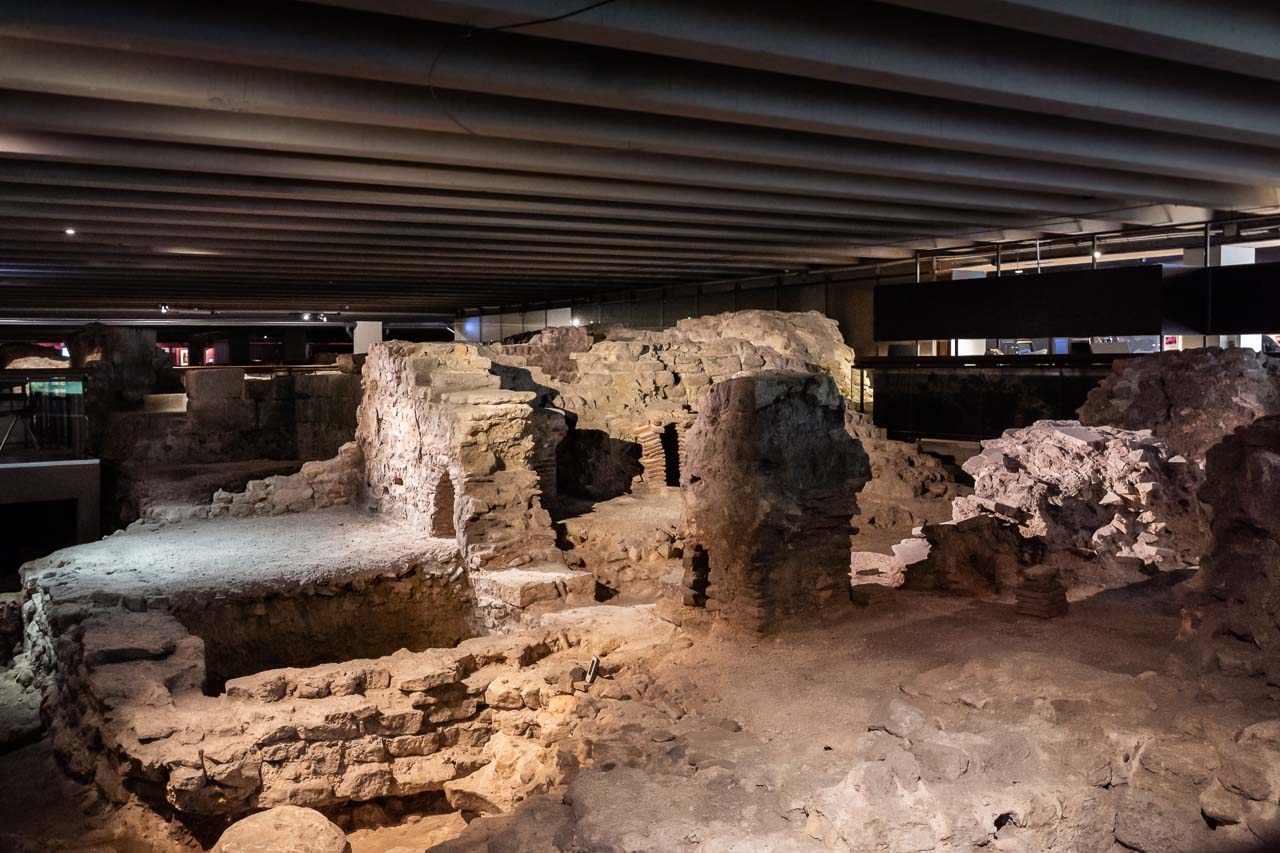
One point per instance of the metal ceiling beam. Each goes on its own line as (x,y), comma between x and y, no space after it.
(246,240)
(306,214)
(1239,36)
(869,44)
(797,191)
(379,48)
(452,120)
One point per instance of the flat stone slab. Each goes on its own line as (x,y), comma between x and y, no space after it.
(529,584)
(238,557)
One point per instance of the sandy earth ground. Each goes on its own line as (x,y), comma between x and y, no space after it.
(913,722)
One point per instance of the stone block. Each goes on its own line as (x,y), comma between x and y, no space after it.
(214,383)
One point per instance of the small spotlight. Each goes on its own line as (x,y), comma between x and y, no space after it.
(70,232)
(164,309)
(324,319)
(576,321)
(1097,254)
(306,315)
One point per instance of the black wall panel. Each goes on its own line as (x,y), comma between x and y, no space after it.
(1120,301)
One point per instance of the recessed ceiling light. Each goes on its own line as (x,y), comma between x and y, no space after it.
(1097,254)
(306,315)
(70,232)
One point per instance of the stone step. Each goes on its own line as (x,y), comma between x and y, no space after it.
(533,583)
(460,380)
(482,396)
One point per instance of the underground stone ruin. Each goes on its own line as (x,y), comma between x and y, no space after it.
(617,590)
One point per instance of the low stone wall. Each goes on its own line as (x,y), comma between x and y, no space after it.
(320,484)
(487,722)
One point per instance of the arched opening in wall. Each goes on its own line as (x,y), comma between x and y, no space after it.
(442,508)
(671,454)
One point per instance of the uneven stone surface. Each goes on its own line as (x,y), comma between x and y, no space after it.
(1241,571)
(19,706)
(628,543)
(233,557)
(1112,505)
(924,724)
(1190,400)
(283,829)
(769,486)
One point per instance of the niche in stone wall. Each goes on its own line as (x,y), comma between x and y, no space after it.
(671,454)
(592,464)
(443,507)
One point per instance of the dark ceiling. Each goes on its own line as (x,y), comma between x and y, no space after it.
(415,156)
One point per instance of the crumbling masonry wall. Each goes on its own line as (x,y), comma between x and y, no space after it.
(1241,571)
(435,427)
(1190,400)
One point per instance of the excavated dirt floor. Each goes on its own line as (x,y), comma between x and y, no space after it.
(913,722)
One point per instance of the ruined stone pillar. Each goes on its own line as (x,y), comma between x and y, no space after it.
(769,490)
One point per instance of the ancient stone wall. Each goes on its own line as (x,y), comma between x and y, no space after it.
(550,350)
(446,447)
(632,384)
(1113,506)
(231,416)
(320,484)
(1241,571)
(769,490)
(488,722)
(1190,400)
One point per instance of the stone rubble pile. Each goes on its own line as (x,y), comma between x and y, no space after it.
(908,489)
(320,484)
(1190,400)
(1240,627)
(1112,505)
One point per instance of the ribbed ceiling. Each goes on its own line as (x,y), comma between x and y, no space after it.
(419,156)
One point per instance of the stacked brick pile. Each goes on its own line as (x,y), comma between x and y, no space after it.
(1041,594)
